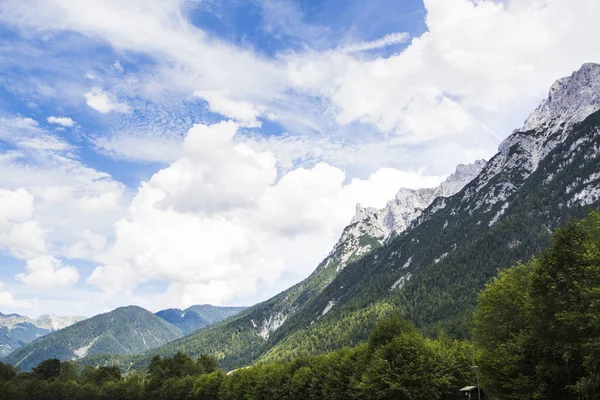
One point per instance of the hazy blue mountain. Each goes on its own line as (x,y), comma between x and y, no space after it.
(195,317)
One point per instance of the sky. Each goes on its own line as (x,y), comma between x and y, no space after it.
(166,153)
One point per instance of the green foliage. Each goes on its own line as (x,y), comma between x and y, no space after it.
(396,361)
(48,369)
(537,324)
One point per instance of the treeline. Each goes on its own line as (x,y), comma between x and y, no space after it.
(396,362)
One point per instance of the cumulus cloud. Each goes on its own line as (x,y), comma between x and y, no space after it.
(49,201)
(217,223)
(7,300)
(27,240)
(64,121)
(48,273)
(19,233)
(104,103)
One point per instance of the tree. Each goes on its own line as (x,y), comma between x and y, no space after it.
(207,386)
(7,372)
(537,324)
(48,369)
(566,302)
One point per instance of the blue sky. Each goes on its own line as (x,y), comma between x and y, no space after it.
(168,153)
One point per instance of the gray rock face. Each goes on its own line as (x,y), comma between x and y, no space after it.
(571,99)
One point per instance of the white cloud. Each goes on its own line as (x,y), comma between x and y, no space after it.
(140,147)
(49,201)
(26,134)
(104,102)
(64,121)
(19,234)
(243,112)
(479,66)
(88,246)
(7,300)
(48,273)
(387,40)
(15,205)
(191,60)
(216,223)
(117,65)
(27,240)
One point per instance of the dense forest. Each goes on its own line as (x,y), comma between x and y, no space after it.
(535,335)
(396,362)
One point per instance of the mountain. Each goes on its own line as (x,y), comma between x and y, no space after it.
(430,265)
(55,322)
(17,330)
(249,331)
(195,317)
(399,212)
(126,330)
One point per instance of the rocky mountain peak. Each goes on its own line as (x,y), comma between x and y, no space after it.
(464,174)
(570,100)
(370,225)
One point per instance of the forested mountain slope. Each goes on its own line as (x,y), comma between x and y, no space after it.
(126,330)
(544,174)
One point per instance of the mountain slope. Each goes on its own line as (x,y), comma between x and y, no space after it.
(542,175)
(17,330)
(195,317)
(246,336)
(126,330)
(432,272)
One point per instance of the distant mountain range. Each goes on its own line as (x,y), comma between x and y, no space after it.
(195,317)
(17,330)
(428,253)
(126,330)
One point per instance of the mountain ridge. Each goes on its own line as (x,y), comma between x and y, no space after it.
(17,330)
